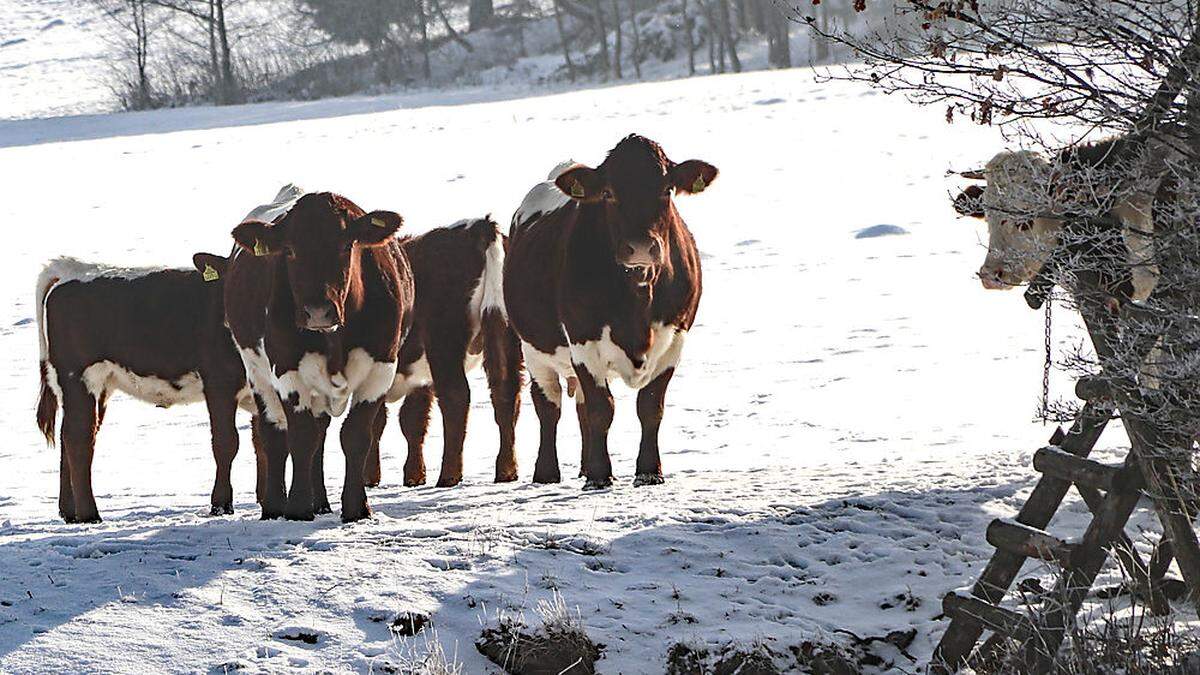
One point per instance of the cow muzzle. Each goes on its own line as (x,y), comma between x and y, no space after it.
(319,318)
(640,260)
(993,278)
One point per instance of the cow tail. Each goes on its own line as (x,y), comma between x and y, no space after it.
(502,361)
(47,406)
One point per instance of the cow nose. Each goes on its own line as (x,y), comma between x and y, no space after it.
(991,277)
(320,318)
(641,254)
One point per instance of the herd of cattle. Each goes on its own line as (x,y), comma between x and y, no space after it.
(323,310)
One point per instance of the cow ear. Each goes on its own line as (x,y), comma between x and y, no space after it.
(375,228)
(581,182)
(692,176)
(258,237)
(211,267)
(969,202)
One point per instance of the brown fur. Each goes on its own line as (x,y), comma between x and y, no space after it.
(569,270)
(165,324)
(326,266)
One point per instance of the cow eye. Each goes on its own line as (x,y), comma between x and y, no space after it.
(607,194)
(289,252)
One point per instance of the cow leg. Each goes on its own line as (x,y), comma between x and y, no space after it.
(272,440)
(79,426)
(260,459)
(598,401)
(502,362)
(222,422)
(548,409)
(320,496)
(373,471)
(650,403)
(414,422)
(303,433)
(66,498)
(454,400)
(357,431)
(581,413)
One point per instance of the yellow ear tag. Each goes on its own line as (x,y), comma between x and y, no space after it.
(577,190)
(378,222)
(699,185)
(210,273)
(260,249)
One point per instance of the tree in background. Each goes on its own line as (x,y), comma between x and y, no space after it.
(133,23)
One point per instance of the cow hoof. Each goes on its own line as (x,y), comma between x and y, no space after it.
(595,484)
(448,482)
(322,509)
(506,477)
(371,483)
(220,510)
(548,476)
(647,479)
(414,482)
(354,515)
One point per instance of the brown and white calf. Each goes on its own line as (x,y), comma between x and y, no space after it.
(155,334)
(1026,194)
(318,303)
(602,280)
(458,321)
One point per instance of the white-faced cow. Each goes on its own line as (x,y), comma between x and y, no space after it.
(1027,198)
(602,280)
(458,321)
(155,334)
(318,303)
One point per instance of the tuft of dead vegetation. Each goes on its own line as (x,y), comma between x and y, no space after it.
(560,645)
(849,657)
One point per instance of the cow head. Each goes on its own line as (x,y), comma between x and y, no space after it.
(1020,240)
(321,242)
(634,186)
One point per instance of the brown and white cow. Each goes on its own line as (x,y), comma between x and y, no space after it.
(458,321)
(602,280)
(155,334)
(318,303)
(1026,193)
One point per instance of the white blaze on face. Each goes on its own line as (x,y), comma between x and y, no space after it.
(1019,242)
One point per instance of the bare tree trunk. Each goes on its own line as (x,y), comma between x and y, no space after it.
(617,24)
(729,35)
(636,55)
(229,86)
(602,36)
(454,35)
(689,38)
(779,49)
(137,11)
(214,62)
(562,40)
(423,19)
(480,14)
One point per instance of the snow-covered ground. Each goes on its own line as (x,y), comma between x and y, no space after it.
(850,413)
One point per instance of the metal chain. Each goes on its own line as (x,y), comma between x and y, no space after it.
(1044,414)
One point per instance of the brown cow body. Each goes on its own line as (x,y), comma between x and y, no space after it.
(458,321)
(603,285)
(318,304)
(155,334)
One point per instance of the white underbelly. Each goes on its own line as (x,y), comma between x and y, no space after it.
(104,377)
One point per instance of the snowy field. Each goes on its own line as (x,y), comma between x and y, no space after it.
(850,413)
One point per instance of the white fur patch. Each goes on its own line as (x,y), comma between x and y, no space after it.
(489,289)
(364,379)
(104,377)
(262,381)
(543,197)
(409,379)
(604,359)
(547,369)
(286,198)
